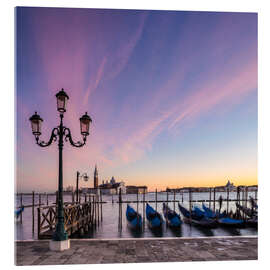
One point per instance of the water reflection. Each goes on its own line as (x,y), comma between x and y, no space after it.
(205,231)
(176,232)
(232,231)
(156,232)
(136,233)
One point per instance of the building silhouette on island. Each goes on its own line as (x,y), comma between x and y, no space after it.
(112,187)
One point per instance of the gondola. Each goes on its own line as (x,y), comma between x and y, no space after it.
(134,218)
(251,212)
(18,212)
(154,219)
(252,222)
(211,214)
(198,212)
(173,219)
(208,212)
(196,219)
(230,222)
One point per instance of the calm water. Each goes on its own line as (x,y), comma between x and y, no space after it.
(109,227)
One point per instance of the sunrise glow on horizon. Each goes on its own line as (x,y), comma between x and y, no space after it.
(172,96)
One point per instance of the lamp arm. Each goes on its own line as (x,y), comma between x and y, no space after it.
(53,138)
(68,136)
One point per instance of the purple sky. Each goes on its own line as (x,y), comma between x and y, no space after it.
(172,95)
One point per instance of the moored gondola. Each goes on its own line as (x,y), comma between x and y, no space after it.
(18,212)
(196,219)
(231,222)
(173,219)
(250,212)
(134,218)
(154,219)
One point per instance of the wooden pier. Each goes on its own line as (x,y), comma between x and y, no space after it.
(78,217)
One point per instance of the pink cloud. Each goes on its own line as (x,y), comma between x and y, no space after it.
(224,90)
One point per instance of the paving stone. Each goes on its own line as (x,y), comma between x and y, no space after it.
(139,250)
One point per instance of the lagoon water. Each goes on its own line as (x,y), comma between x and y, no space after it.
(109,229)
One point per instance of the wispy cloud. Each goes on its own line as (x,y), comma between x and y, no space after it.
(225,91)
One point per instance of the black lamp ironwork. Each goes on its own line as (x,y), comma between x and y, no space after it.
(60,132)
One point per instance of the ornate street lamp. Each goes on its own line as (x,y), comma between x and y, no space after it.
(60,236)
(85,178)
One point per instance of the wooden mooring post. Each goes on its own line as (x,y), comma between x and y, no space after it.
(143,207)
(243,196)
(167,199)
(33,212)
(167,202)
(101,213)
(47,198)
(210,189)
(137,200)
(98,204)
(228,192)
(214,203)
(156,199)
(96,214)
(256,195)
(189,193)
(39,200)
(190,207)
(120,209)
(246,198)
(246,195)
(93,211)
(21,207)
(174,200)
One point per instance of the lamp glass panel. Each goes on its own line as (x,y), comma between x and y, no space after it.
(36,126)
(61,103)
(84,126)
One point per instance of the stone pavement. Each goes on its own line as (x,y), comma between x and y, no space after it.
(93,251)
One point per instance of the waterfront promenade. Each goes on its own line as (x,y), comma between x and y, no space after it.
(95,251)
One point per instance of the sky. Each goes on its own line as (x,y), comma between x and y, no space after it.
(172,96)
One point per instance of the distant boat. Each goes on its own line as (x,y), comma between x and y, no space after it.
(174,220)
(134,218)
(155,220)
(18,212)
(195,218)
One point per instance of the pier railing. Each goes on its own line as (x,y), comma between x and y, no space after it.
(77,218)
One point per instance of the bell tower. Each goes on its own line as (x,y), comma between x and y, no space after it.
(96,177)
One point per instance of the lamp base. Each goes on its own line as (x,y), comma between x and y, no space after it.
(59,245)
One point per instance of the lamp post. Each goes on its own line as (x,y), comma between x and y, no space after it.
(60,238)
(85,178)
